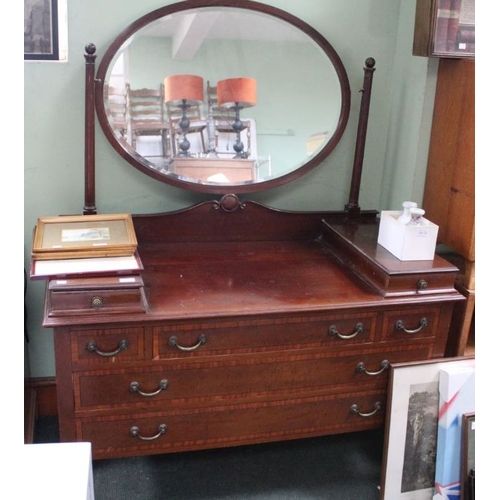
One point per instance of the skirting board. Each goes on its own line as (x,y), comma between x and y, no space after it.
(46,395)
(29,414)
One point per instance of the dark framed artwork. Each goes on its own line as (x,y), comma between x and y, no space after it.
(468,459)
(41,37)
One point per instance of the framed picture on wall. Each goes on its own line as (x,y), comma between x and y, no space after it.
(411,434)
(41,38)
(445,28)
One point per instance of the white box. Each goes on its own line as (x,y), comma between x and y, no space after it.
(56,471)
(407,242)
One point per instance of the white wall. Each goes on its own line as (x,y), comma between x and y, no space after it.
(396,146)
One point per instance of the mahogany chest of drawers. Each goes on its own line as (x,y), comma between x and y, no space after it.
(247,337)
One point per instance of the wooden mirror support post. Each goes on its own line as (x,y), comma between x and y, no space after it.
(90,57)
(352,207)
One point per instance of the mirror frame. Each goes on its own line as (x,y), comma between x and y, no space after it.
(136,159)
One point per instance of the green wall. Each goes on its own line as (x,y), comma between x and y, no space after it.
(396,147)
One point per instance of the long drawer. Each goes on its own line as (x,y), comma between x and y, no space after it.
(180,340)
(162,432)
(257,335)
(236,379)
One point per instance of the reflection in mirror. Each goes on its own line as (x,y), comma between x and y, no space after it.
(224,96)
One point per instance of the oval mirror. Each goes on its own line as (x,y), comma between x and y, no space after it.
(219,98)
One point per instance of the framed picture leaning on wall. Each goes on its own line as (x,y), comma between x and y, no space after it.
(41,38)
(468,458)
(411,434)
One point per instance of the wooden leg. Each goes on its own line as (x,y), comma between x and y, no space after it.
(461,324)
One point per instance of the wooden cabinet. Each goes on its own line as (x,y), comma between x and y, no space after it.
(449,195)
(248,337)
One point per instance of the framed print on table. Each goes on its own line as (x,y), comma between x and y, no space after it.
(84,236)
(41,33)
(411,433)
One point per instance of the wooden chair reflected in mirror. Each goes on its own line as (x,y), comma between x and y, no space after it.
(221,142)
(148,119)
(117,102)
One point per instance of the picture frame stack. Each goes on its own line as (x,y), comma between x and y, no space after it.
(429,440)
(468,462)
(84,245)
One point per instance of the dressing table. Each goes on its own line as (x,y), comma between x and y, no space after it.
(249,324)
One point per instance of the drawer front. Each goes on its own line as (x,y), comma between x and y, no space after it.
(80,302)
(224,382)
(223,337)
(162,432)
(112,345)
(414,324)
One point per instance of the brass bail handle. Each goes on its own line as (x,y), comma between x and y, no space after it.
(361,368)
(334,331)
(122,346)
(134,432)
(401,326)
(355,410)
(162,386)
(202,339)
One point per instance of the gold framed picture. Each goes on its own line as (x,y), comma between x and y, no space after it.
(84,236)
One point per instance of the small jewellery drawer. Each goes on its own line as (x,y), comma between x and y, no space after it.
(114,294)
(227,381)
(415,323)
(257,335)
(161,432)
(112,345)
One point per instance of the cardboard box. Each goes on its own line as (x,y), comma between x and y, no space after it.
(407,242)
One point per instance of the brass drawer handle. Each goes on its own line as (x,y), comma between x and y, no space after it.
(92,347)
(361,368)
(202,339)
(422,285)
(96,302)
(333,331)
(355,410)
(134,431)
(134,387)
(401,326)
